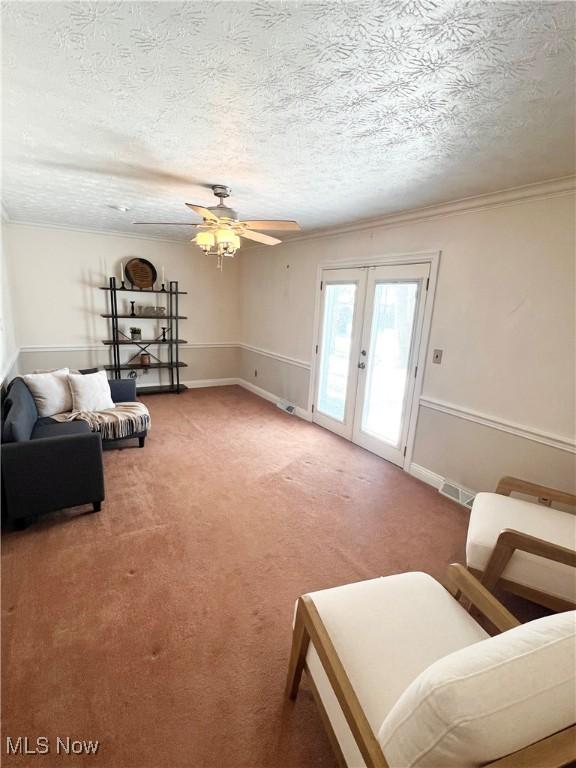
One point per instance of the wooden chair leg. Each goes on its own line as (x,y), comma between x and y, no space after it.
(300,642)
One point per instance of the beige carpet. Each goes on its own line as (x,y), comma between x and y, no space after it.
(161,626)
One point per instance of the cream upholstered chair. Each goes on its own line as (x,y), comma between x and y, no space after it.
(404,677)
(527,548)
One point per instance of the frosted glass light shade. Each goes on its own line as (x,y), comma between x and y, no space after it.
(205,240)
(226,237)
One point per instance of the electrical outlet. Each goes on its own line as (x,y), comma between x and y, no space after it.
(437,356)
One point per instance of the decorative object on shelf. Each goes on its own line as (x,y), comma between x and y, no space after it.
(122,283)
(141,273)
(136,334)
(221,228)
(144,358)
(150,311)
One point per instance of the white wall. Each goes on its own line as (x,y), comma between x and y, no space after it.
(57,274)
(8,334)
(504,316)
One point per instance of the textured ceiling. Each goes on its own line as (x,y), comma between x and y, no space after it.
(326,112)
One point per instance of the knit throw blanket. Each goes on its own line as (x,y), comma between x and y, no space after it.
(125,420)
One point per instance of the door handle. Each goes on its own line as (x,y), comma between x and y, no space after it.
(362,365)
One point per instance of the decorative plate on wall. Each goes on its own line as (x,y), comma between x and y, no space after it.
(141,273)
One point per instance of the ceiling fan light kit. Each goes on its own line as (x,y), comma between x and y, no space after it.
(221,229)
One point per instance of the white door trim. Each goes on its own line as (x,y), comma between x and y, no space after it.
(417,257)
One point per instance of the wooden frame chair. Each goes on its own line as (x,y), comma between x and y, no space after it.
(511,540)
(552,752)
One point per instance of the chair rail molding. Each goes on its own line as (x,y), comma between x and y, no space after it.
(277,356)
(189,345)
(494,422)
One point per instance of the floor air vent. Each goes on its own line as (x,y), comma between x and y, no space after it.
(286,406)
(456,493)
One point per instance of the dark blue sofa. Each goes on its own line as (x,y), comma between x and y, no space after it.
(49,465)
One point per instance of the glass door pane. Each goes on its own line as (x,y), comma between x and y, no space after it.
(389,360)
(336,343)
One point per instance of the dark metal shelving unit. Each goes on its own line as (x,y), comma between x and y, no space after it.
(171,343)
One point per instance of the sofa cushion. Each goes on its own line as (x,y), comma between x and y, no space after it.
(386,631)
(487,700)
(492,513)
(50,391)
(90,392)
(50,428)
(21,413)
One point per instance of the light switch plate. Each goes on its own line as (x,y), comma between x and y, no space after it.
(437,356)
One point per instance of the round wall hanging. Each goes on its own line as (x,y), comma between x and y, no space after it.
(141,273)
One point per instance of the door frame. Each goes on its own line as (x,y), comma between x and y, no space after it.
(419,257)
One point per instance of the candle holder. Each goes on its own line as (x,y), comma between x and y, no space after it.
(164,329)
(132,313)
(163,289)
(122,286)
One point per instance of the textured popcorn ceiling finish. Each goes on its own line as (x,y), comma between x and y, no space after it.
(326,112)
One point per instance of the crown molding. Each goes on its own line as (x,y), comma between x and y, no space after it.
(542,190)
(104,232)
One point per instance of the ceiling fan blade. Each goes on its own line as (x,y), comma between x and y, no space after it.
(260,238)
(204,212)
(171,223)
(272,224)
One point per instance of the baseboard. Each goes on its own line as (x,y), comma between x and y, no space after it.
(426,475)
(302,413)
(200,383)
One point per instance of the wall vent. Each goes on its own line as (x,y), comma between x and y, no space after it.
(284,405)
(457,493)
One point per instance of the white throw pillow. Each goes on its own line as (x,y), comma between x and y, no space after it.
(50,391)
(90,392)
(487,700)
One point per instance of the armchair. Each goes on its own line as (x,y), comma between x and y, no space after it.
(403,676)
(526,548)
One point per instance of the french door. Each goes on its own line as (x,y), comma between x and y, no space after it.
(370,329)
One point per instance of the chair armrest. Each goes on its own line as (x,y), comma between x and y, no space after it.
(545,495)
(123,390)
(309,627)
(464,583)
(52,473)
(510,540)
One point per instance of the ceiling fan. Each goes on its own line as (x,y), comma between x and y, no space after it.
(221,229)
